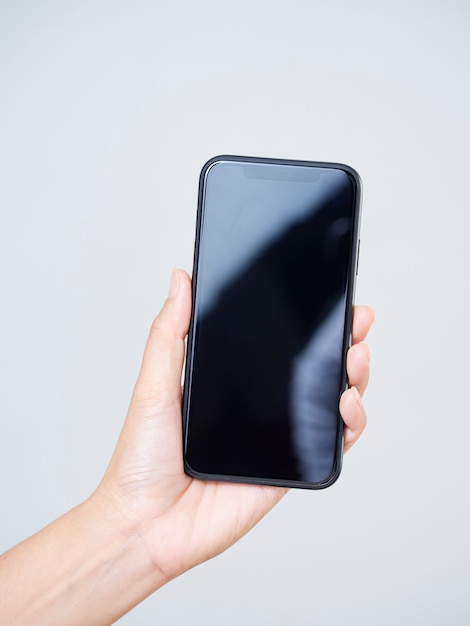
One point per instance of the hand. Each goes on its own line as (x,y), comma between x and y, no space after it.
(182,521)
(147,522)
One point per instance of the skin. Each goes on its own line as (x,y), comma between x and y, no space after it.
(148,522)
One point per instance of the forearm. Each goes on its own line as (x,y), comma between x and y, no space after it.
(87,567)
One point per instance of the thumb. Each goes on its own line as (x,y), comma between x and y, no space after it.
(159,381)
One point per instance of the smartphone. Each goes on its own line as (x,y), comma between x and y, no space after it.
(273,284)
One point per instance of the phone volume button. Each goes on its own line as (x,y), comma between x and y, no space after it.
(357,256)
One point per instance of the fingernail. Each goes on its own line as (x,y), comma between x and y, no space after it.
(174,283)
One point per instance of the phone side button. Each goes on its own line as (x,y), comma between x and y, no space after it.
(357,256)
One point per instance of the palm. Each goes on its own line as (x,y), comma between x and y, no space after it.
(198,519)
(210,517)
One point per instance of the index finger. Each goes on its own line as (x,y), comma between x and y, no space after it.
(363,317)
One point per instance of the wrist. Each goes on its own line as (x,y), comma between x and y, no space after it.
(87,567)
(114,571)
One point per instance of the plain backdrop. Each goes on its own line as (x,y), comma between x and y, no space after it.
(108,110)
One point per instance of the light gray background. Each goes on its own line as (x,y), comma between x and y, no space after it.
(107,112)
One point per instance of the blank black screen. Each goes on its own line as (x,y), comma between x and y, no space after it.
(266,352)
